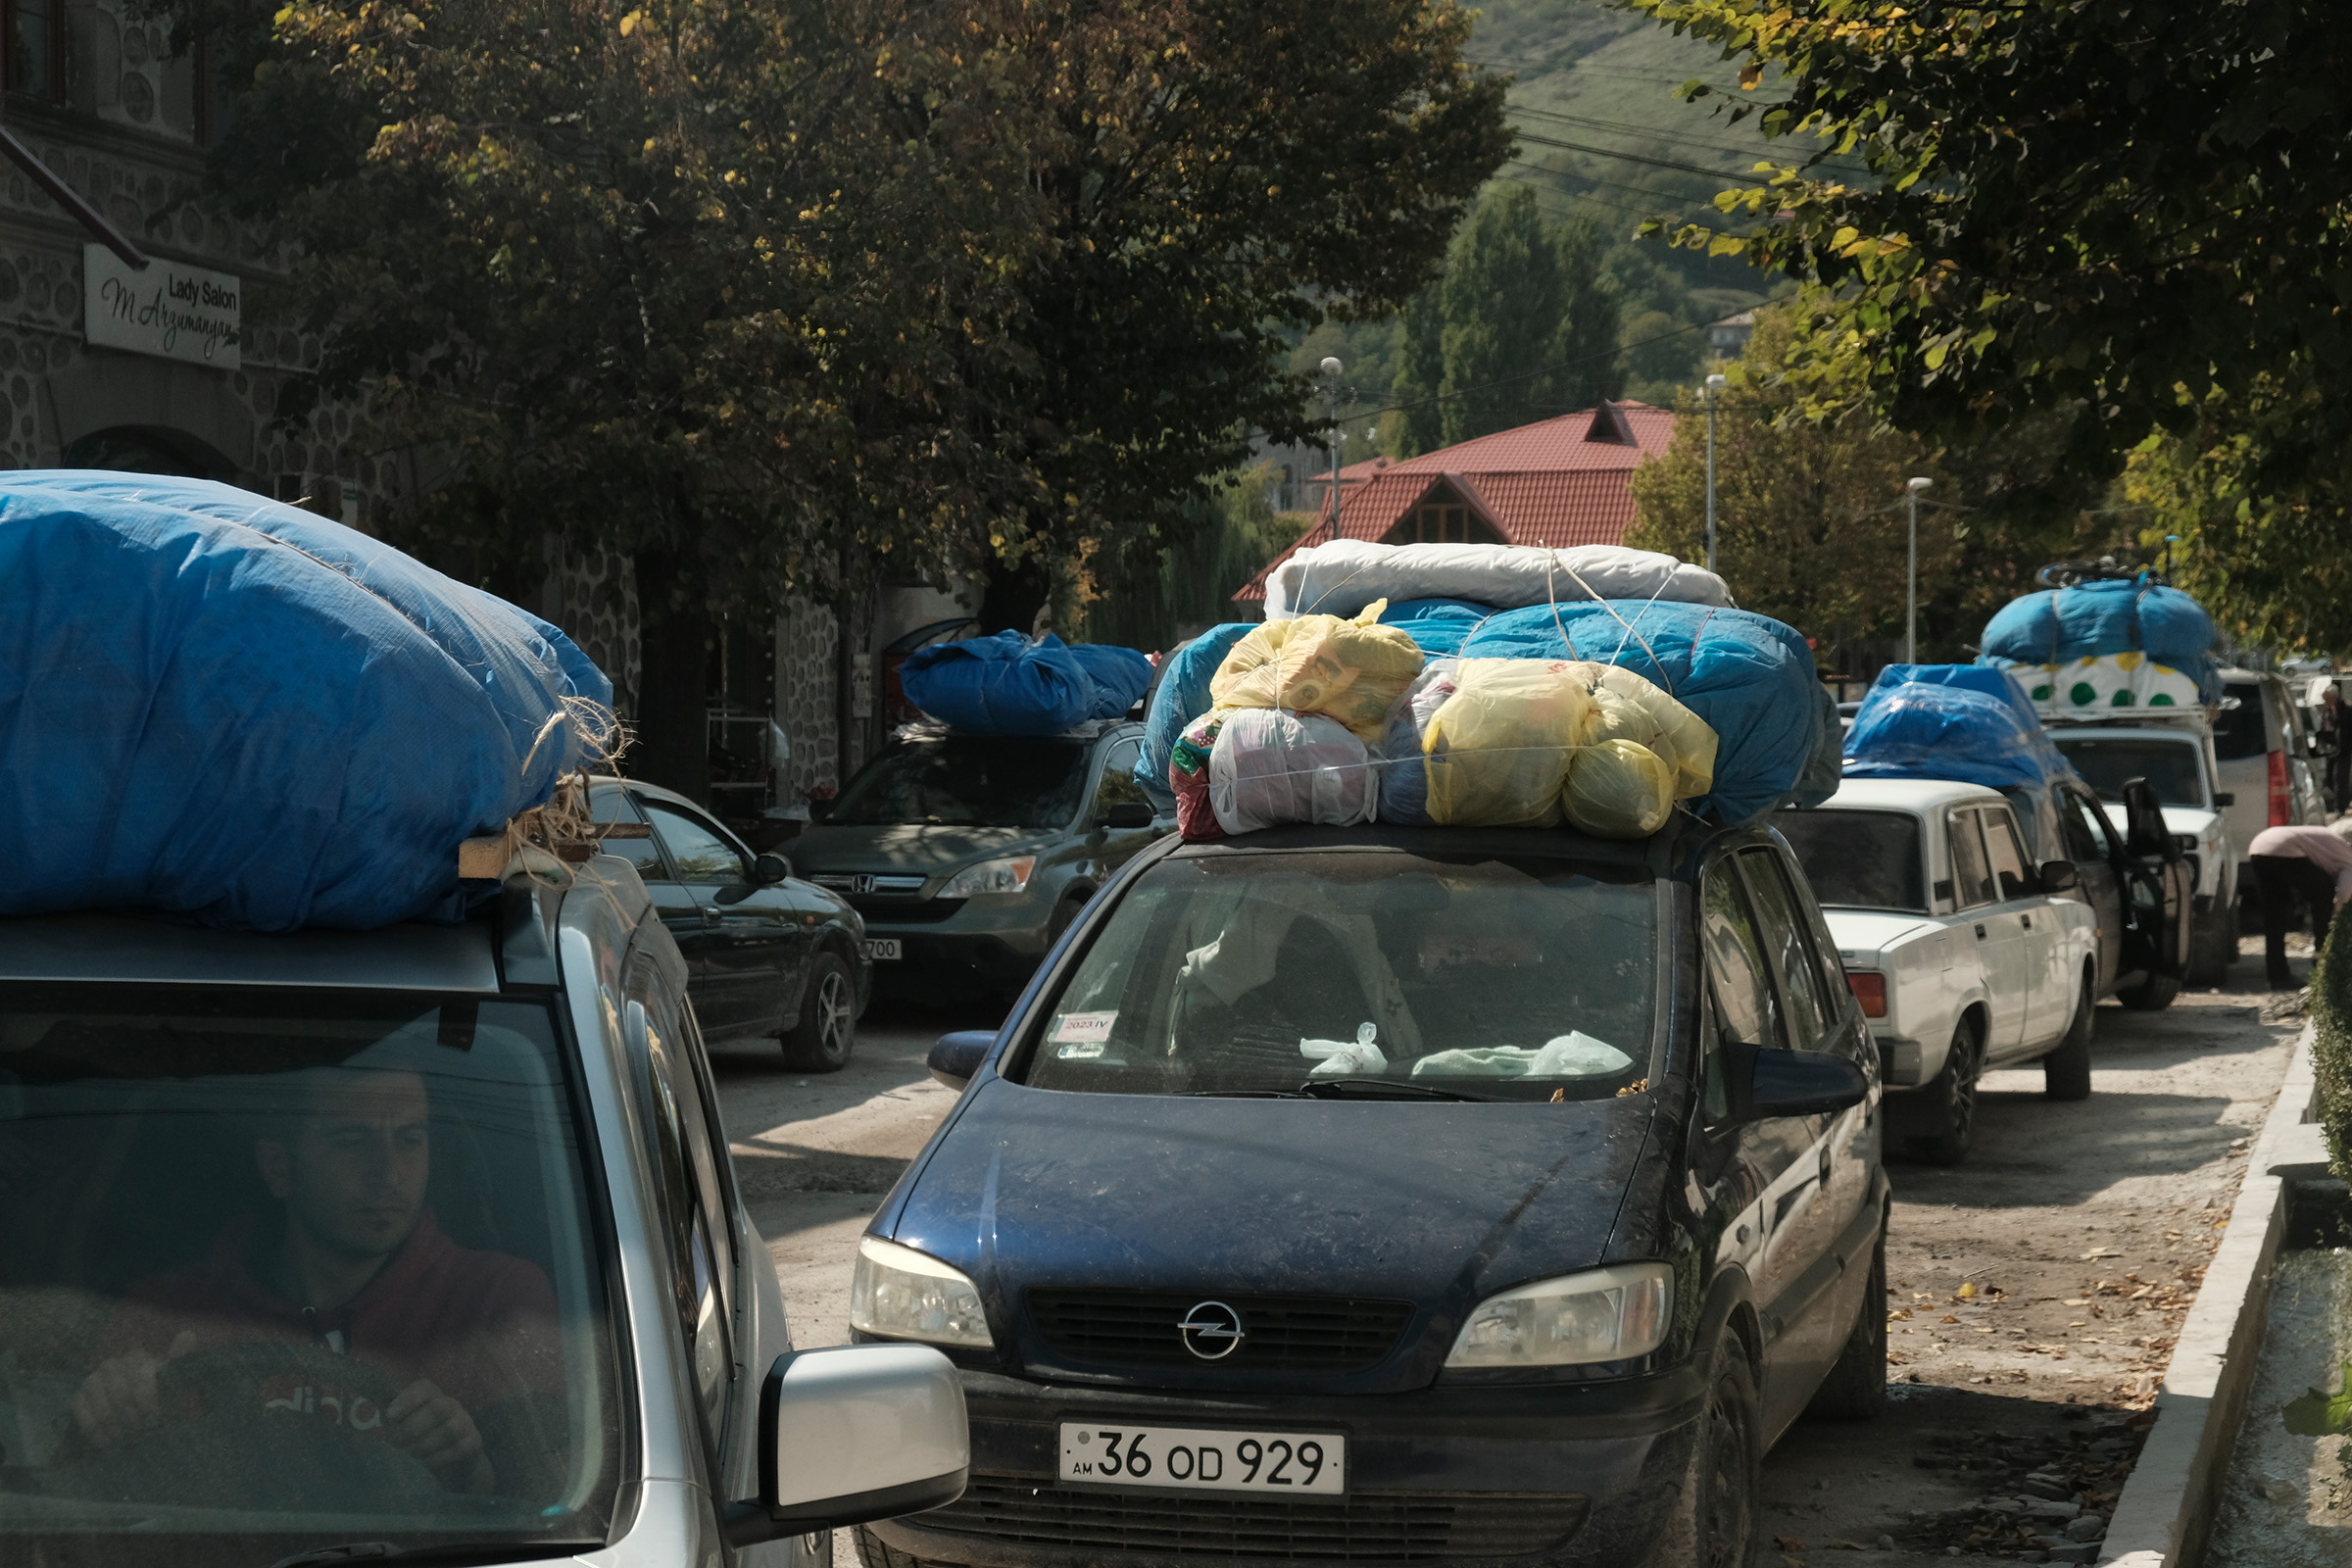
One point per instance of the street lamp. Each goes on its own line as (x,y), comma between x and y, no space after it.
(1331,393)
(1715,385)
(1911,601)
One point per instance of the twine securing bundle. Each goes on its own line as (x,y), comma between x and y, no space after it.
(540,841)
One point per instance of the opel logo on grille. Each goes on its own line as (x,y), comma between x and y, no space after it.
(1212,1330)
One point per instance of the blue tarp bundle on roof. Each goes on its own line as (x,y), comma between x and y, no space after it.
(1181,697)
(1009,685)
(1749,677)
(216,704)
(1437,626)
(2090,619)
(1969,722)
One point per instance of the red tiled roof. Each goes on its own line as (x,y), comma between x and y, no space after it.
(1554,484)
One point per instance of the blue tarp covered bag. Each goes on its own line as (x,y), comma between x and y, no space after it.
(1437,626)
(1747,676)
(214,703)
(1009,685)
(1181,697)
(2119,615)
(1968,723)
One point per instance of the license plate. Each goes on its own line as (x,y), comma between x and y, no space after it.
(882,947)
(1197,1459)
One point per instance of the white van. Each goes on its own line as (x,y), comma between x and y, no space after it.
(417,1243)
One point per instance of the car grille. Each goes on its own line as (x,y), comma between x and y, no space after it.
(1280,1333)
(1365,1527)
(861,883)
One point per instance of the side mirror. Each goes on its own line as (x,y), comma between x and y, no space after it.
(853,1434)
(2144,832)
(2060,876)
(770,869)
(1792,1082)
(957,1056)
(1128,815)
(2222,797)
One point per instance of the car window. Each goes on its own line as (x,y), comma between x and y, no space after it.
(1858,860)
(696,847)
(693,1202)
(2238,727)
(2007,854)
(1972,877)
(2173,768)
(239,1223)
(614,805)
(1737,973)
(966,781)
(1788,937)
(2088,836)
(1118,777)
(1496,976)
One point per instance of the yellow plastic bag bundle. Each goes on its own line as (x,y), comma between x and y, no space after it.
(1618,789)
(1350,671)
(1498,750)
(1631,709)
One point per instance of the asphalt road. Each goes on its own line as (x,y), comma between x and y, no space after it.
(2034,1292)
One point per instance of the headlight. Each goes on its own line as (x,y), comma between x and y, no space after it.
(990,876)
(906,1294)
(1605,1314)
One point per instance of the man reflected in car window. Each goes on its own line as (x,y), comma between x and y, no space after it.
(352,1264)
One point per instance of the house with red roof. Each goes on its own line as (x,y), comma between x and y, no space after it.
(1558,482)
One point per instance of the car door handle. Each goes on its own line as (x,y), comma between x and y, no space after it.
(1979,930)
(2025,920)
(712,917)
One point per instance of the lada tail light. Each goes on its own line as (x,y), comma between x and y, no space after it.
(1869,989)
(2281,806)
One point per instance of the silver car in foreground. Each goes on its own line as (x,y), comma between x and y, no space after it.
(417,1243)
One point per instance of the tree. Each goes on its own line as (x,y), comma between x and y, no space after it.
(1522,327)
(2108,213)
(1811,525)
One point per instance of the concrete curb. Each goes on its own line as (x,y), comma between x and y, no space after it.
(2165,1510)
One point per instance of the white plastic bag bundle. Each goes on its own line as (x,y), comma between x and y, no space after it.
(1271,766)
(1574,1055)
(1341,577)
(1346,1058)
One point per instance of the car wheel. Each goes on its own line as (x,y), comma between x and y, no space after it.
(827,1031)
(1947,1107)
(1715,1524)
(2152,995)
(2066,1071)
(1857,1388)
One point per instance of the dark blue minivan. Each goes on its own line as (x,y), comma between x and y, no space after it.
(1378,1194)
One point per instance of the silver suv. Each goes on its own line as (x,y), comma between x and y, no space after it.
(421,1240)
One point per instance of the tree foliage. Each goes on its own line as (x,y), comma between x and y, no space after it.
(2108,213)
(1522,327)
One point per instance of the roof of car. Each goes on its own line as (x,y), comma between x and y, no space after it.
(1904,794)
(1565,844)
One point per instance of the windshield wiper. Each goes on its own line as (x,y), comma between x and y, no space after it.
(453,1552)
(1378,1089)
(1242,1094)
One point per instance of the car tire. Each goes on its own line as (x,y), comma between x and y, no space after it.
(2066,1070)
(2152,995)
(1946,1107)
(827,1030)
(1857,1388)
(1714,1522)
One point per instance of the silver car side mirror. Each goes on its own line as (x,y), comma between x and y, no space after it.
(854,1434)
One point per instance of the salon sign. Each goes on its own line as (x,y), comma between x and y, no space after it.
(171,310)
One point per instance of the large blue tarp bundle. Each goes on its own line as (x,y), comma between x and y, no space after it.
(1969,722)
(1181,697)
(214,703)
(2121,615)
(1437,626)
(1749,677)
(1011,685)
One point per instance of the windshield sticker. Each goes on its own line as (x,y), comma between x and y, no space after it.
(1084,1026)
(1089,1050)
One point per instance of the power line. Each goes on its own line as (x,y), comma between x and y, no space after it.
(1664,137)
(1629,158)
(1613,185)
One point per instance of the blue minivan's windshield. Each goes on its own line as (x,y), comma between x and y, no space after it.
(1417,975)
(966,781)
(283,1271)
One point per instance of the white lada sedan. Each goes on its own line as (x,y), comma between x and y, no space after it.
(1959,948)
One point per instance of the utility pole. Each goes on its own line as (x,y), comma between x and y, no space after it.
(1715,385)
(1331,394)
(1913,487)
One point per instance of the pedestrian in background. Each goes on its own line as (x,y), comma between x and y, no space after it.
(2335,751)
(2308,867)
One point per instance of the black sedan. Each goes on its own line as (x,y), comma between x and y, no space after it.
(1381,1193)
(766,954)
